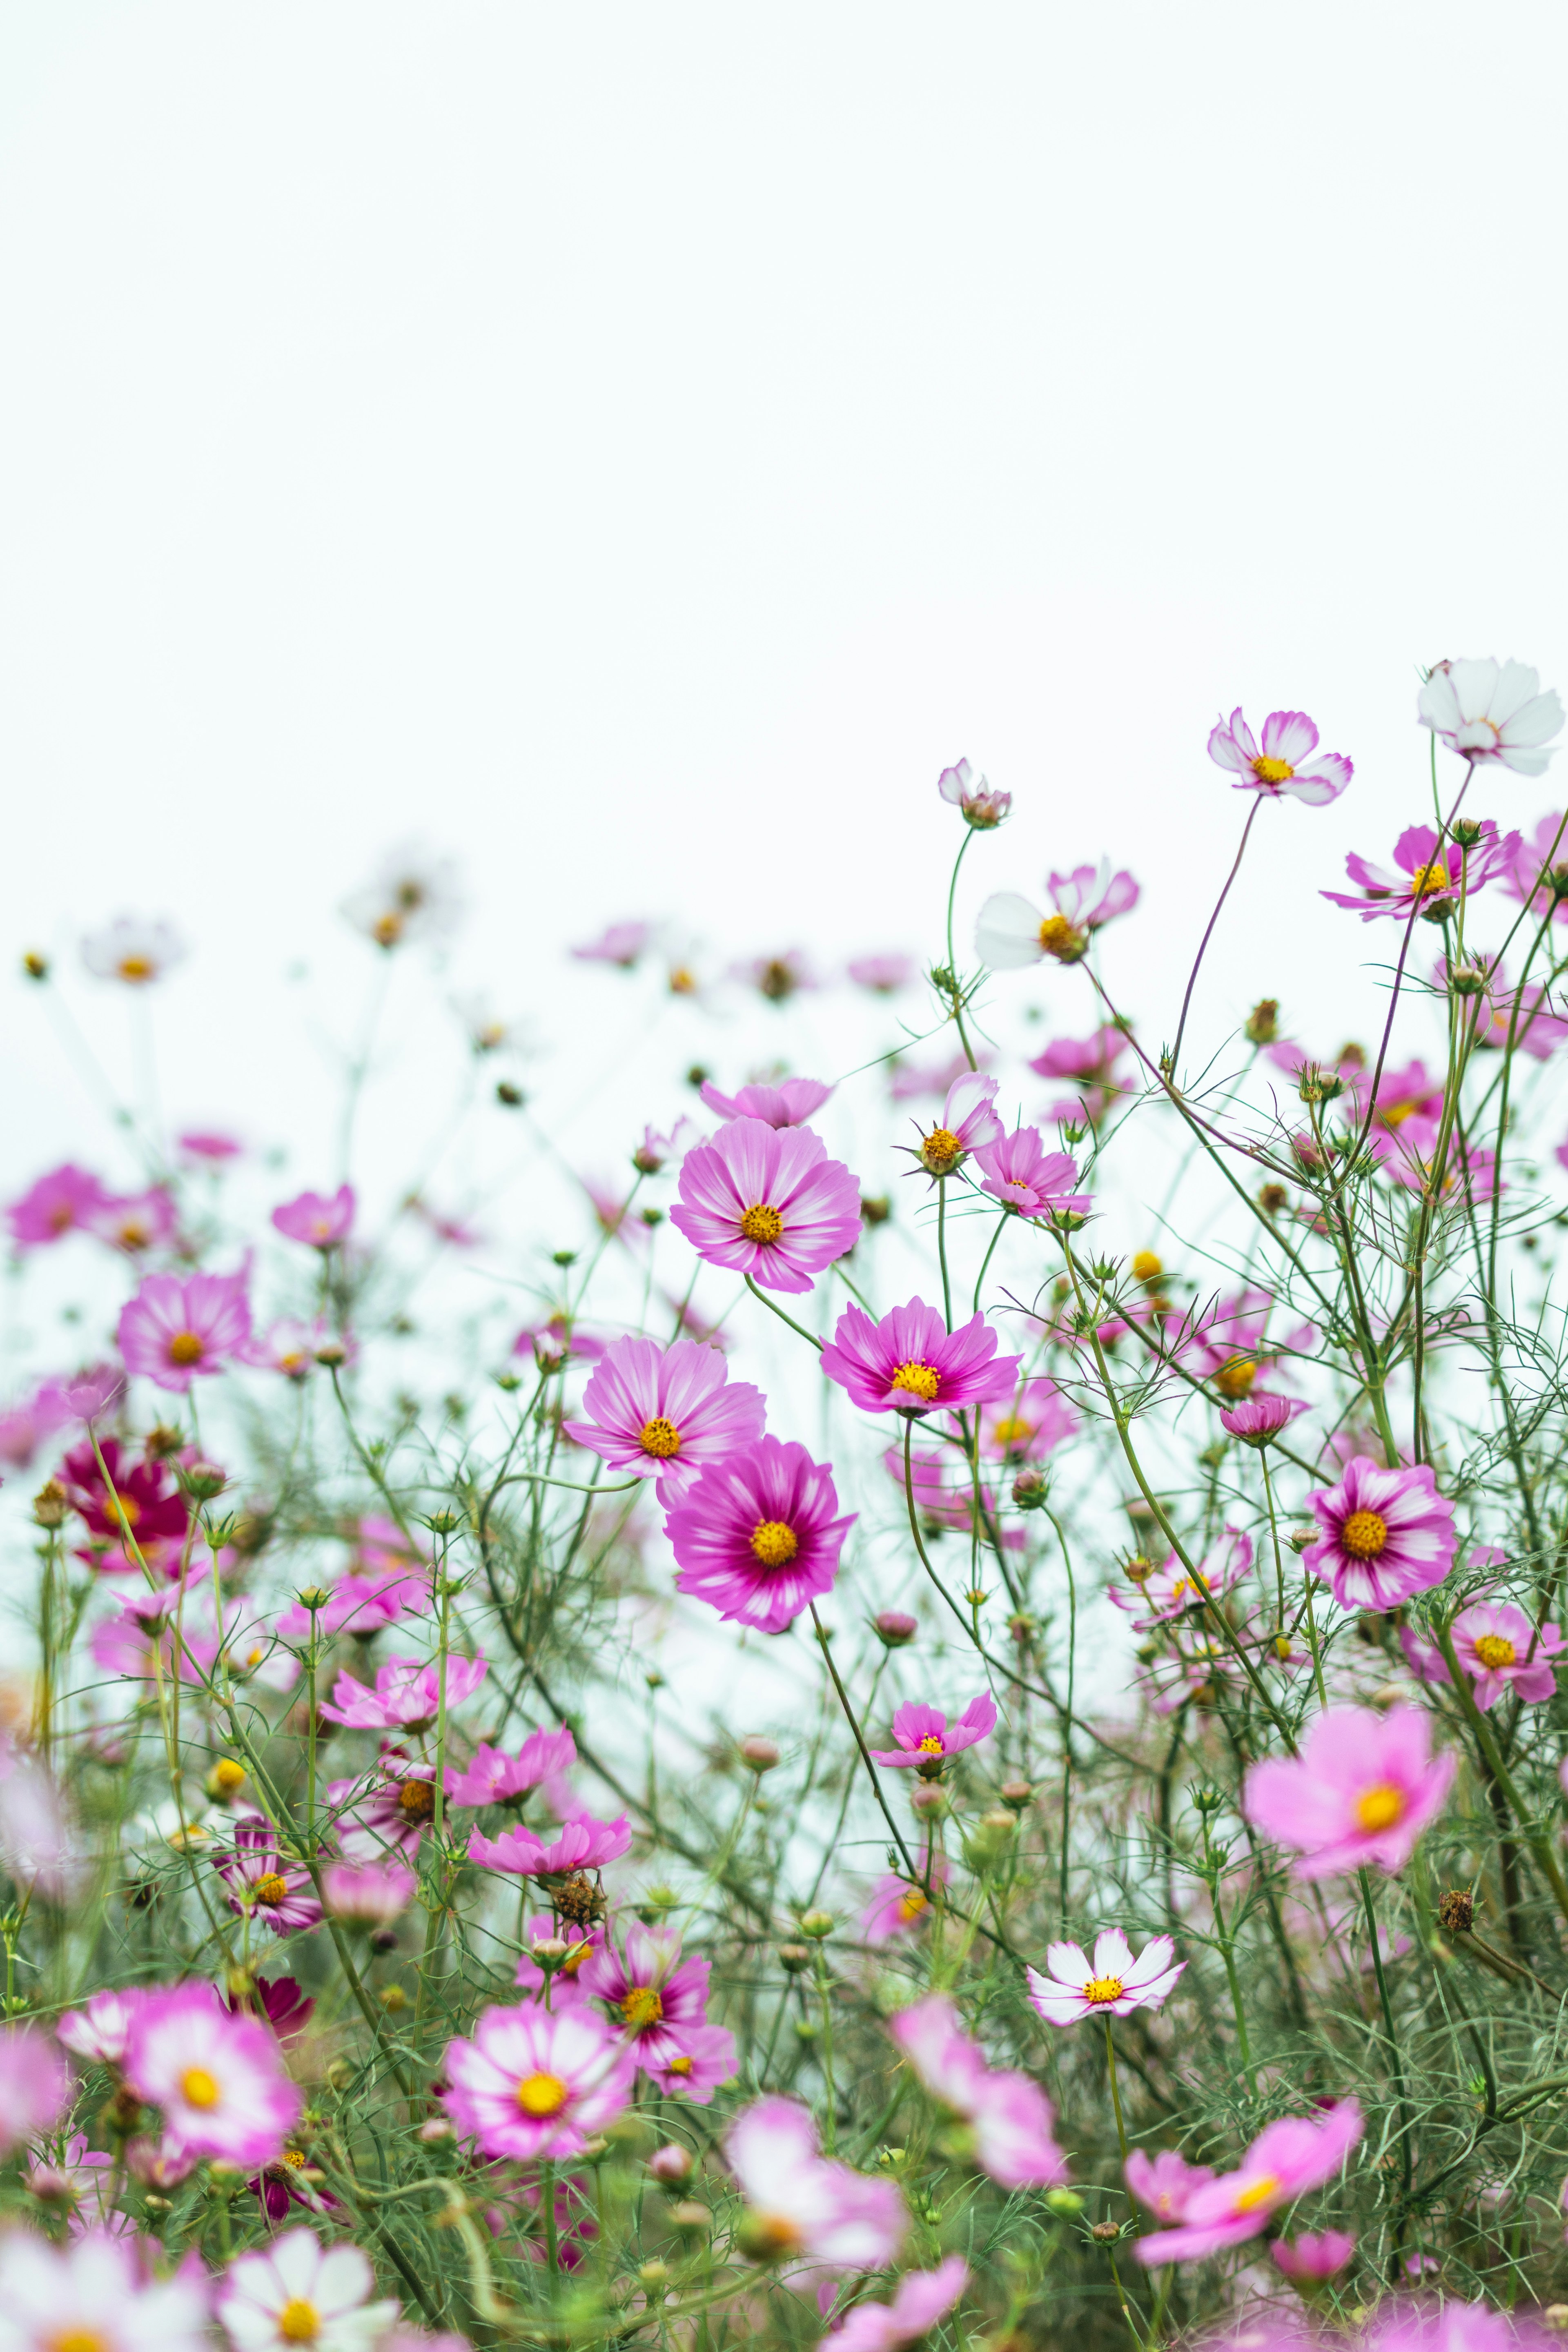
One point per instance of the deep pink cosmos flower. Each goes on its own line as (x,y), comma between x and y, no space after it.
(369,1894)
(982,807)
(384,1812)
(1503,1649)
(533,2084)
(1095,1063)
(181,1327)
(666,1414)
(140,1501)
(1010,2117)
(1284,763)
(407,1695)
(1423,881)
(1492,713)
(897,1907)
(789,1104)
(207,1144)
(35,2085)
(909,1362)
(805,2206)
(263,1886)
(1284,2161)
(1313,2256)
(922,2298)
(926,1740)
(279,2001)
(1166,2182)
(1029,1425)
(1385,1534)
(494,1778)
(1363,1788)
(1260,1416)
(968,1119)
(767,1202)
(1023,1176)
(1112,1985)
(64,1201)
(315,1218)
(659,2002)
(218,2079)
(759,1538)
(134,1221)
(621,944)
(583,1844)
(98,2291)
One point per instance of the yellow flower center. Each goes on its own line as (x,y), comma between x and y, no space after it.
(198,2088)
(1012,1431)
(930,1745)
(273,1888)
(541,2095)
(681,2065)
(294,2157)
(126,1509)
(682,980)
(642,2006)
(77,2339)
(911,1903)
(187,1347)
(1494,1650)
(1427,878)
(660,1438)
(387,930)
(774,1543)
(1380,1807)
(1103,1989)
(1272,771)
(1062,940)
(1147,1267)
(941,1150)
(134,967)
(1257,2193)
(228,1774)
(917,1380)
(416,1797)
(762,1223)
(297,2322)
(1235,1380)
(1365,1534)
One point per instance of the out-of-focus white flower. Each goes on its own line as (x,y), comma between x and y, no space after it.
(414,895)
(1491,712)
(298,2291)
(132,950)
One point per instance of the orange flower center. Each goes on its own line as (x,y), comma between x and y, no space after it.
(1364,1535)
(1062,940)
(541,2095)
(941,1150)
(760,1223)
(416,1797)
(188,1348)
(660,1437)
(134,967)
(1494,1650)
(774,1543)
(917,1380)
(1380,1807)
(272,1889)
(1011,1432)
(297,2322)
(77,2339)
(1235,1380)
(911,1903)
(198,2088)
(127,1509)
(1103,1989)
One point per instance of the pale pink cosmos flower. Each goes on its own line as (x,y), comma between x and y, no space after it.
(96,2292)
(920,2299)
(621,945)
(1285,2160)
(884,975)
(1171,1590)
(982,807)
(790,1103)
(656,1150)
(297,2291)
(913,1081)
(1415,2326)
(1165,2182)
(1095,1061)
(321,1220)
(370,1894)
(659,2002)
(133,951)
(1011,932)
(897,1907)
(534,2084)
(35,2085)
(211,1145)
(98,2030)
(926,1739)
(666,1414)
(1260,1416)
(767,1202)
(134,1221)
(1528,881)
(360,1604)
(581,1845)
(179,1328)
(1283,763)
(218,2079)
(1009,2116)
(1385,1534)
(804,2207)
(407,1695)
(31,1421)
(1112,1985)
(910,1363)
(1363,1788)
(759,1536)
(64,1201)
(1313,2256)
(494,1778)
(1029,1425)
(1409,1157)
(1425,882)
(1492,713)
(968,1119)
(263,1886)
(1503,1649)
(1025,1177)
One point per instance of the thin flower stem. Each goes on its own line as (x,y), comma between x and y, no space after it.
(1203,943)
(860,1743)
(798,1329)
(1115,2087)
(1396,2063)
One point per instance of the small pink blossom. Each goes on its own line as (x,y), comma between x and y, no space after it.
(136,1221)
(767,1202)
(1027,1178)
(1010,2117)
(1383,1535)
(922,2298)
(884,975)
(804,2207)
(897,1907)
(64,1201)
(582,1844)
(982,807)
(315,1218)
(1284,2161)
(1313,2257)
(1172,1590)
(494,1778)
(666,1414)
(1283,764)
(659,2000)
(1492,713)
(759,1536)
(1029,1425)
(263,1886)
(1501,1649)
(910,1363)
(98,2030)
(788,1104)
(31,1421)
(926,1740)
(181,1327)
(968,1120)
(1112,1985)
(407,1695)
(1363,1788)
(621,945)
(1425,882)
(209,1144)
(1164,2183)
(913,1081)
(218,2079)
(1260,1416)
(531,2082)
(371,1894)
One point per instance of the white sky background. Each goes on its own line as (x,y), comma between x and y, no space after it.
(636,448)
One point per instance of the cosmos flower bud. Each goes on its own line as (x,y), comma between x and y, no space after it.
(670,2165)
(1556,881)
(689,2217)
(202,1480)
(893,1627)
(761,1754)
(436,2130)
(512,1097)
(1272,1198)
(929,1798)
(36,966)
(875,1209)
(1064,2200)
(331,1352)
(1031,1490)
(1468,830)
(794,1958)
(1016,1793)
(1467,979)
(817,1925)
(225,1779)
(1262,1025)
(50,1503)
(1317,1085)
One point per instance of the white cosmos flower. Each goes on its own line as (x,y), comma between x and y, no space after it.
(132,950)
(1491,712)
(297,2292)
(1011,933)
(90,2293)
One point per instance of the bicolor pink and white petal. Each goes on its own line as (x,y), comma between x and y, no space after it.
(666,1414)
(1112,1984)
(768,1202)
(1383,1535)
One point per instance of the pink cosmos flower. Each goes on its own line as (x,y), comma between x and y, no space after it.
(494,1778)
(1385,1534)
(88,1395)
(1409,1157)
(1025,1177)
(314,1217)
(1363,1788)
(897,1907)
(279,2001)
(926,1740)
(1113,1985)
(407,1695)
(982,807)
(758,1538)
(884,975)
(620,945)
(97,2032)
(1260,1416)
(940,1501)
(1009,2116)
(968,1120)
(387,1810)
(35,2086)
(806,2206)
(1536,1030)
(1166,2182)
(1424,881)
(767,1202)
(700,2067)
(1095,1062)
(533,2084)
(666,1414)
(1492,713)
(655,1998)
(913,1081)
(218,2079)
(297,2291)
(582,1844)
(360,1604)
(132,950)
(136,1222)
(1527,879)
(1313,2256)
(1172,1590)
(1011,932)
(371,1894)
(922,2298)
(789,1104)
(208,1144)
(776,977)
(179,1327)
(1289,738)
(263,1886)
(1284,2161)
(910,1363)
(1503,1649)
(95,2292)
(565,1992)
(64,1201)
(31,1421)
(1029,1425)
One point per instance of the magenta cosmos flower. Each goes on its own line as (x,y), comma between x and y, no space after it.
(407,1695)
(1113,1984)
(263,1886)
(494,1778)
(926,1740)
(1166,2182)
(531,2084)
(315,1218)
(789,1104)
(758,1538)
(1170,1591)
(1023,1176)
(64,1201)
(803,2205)
(1363,1790)
(368,1894)
(897,1907)
(666,1414)
(1385,1534)
(922,2298)
(1492,713)
(582,1844)
(1501,1649)
(982,807)
(1425,882)
(96,2292)
(297,2291)
(218,2079)
(1284,2161)
(1009,2116)
(1283,763)
(661,2002)
(179,1327)
(968,1119)
(1260,1416)
(767,1202)
(1313,2256)
(909,1362)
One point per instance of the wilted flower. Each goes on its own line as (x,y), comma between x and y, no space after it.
(1492,713)
(1112,1985)
(1284,763)
(1363,1788)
